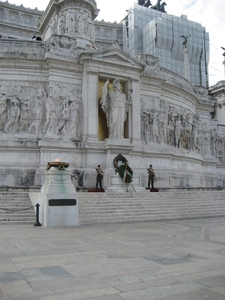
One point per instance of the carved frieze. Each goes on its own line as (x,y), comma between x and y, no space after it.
(162,123)
(73,22)
(34,109)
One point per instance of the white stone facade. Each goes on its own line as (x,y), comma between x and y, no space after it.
(52,106)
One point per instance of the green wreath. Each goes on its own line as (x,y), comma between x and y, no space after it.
(125,172)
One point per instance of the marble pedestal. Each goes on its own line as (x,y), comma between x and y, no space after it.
(58,199)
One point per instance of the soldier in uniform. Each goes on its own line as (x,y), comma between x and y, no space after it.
(99,177)
(151,176)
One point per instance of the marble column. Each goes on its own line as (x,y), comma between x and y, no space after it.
(135,120)
(186,64)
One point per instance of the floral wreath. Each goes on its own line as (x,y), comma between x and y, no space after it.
(125,172)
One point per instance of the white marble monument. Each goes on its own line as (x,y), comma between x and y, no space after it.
(82,94)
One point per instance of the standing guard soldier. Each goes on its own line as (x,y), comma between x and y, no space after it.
(99,177)
(151,176)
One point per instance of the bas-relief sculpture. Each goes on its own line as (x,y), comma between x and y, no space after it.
(73,22)
(13,114)
(70,22)
(62,45)
(151,64)
(180,128)
(33,110)
(115,105)
(62,113)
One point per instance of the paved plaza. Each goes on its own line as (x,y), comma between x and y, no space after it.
(169,260)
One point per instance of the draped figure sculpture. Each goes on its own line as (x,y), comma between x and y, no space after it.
(115,105)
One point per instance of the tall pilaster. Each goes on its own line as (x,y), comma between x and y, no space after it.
(135,125)
(90,104)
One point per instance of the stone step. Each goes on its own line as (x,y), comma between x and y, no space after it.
(148,201)
(159,196)
(16,208)
(146,212)
(17,221)
(150,205)
(141,207)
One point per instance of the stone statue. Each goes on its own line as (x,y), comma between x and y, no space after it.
(13,115)
(70,22)
(152,65)
(195,128)
(74,119)
(90,25)
(177,131)
(81,22)
(145,3)
(162,7)
(185,37)
(145,116)
(154,127)
(24,120)
(188,130)
(162,125)
(63,45)
(50,123)
(115,106)
(61,25)
(36,124)
(159,7)
(54,44)
(53,25)
(52,110)
(115,45)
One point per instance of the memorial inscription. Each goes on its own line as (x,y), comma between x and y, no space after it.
(62,202)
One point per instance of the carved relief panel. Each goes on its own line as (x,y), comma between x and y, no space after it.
(35,110)
(163,123)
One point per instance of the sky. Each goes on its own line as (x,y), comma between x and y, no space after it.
(208,13)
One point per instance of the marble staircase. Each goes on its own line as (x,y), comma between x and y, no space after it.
(16,208)
(99,208)
(112,207)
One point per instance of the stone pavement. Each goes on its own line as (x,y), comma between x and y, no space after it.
(169,260)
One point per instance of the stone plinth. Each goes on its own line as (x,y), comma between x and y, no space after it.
(117,184)
(59,203)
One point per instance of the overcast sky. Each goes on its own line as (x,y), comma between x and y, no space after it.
(208,13)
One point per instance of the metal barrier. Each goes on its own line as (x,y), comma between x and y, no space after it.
(16,210)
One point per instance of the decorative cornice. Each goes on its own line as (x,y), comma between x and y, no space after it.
(10,6)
